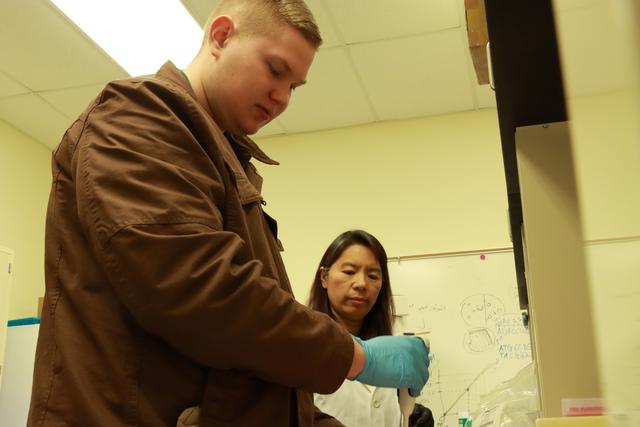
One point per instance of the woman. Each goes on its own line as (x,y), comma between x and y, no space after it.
(352,286)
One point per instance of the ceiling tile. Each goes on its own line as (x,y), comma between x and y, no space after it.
(10,87)
(416,76)
(383,19)
(33,116)
(72,101)
(43,50)
(201,9)
(332,98)
(330,38)
(587,51)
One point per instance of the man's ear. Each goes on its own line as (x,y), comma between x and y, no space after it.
(221,29)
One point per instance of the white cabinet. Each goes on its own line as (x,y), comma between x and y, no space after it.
(6,261)
(15,395)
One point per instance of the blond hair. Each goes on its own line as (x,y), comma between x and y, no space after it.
(258,17)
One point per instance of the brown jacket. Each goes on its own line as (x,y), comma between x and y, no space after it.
(165,288)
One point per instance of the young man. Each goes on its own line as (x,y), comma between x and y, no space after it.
(164,284)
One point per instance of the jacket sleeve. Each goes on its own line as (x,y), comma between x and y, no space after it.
(149,200)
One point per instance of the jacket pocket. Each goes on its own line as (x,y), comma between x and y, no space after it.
(229,397)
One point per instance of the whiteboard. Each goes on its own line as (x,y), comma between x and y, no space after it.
(468,304)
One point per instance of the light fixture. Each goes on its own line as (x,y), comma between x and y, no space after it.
(140,35)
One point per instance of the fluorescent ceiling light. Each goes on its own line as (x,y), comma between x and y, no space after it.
(140,35)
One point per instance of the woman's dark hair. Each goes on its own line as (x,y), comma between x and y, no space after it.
(379,320)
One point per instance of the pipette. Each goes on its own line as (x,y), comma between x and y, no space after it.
(405,400)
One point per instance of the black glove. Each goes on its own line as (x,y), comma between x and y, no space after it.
(421,417)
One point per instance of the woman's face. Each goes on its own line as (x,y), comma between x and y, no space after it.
(353,284)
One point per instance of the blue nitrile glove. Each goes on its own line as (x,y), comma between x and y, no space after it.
(395,362)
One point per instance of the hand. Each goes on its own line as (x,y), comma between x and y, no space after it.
(396,362)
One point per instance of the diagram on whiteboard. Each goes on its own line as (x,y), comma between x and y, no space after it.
(478,340)
(481,309)
(468,308)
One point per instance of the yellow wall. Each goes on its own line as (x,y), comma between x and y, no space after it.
(434,184)
(421,186)
(24,186)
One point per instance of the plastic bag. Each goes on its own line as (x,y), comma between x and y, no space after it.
(513,403)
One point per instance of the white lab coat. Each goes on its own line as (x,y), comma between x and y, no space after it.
(358,405)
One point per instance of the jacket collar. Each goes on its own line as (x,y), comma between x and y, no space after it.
(247,145)
(171,73)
